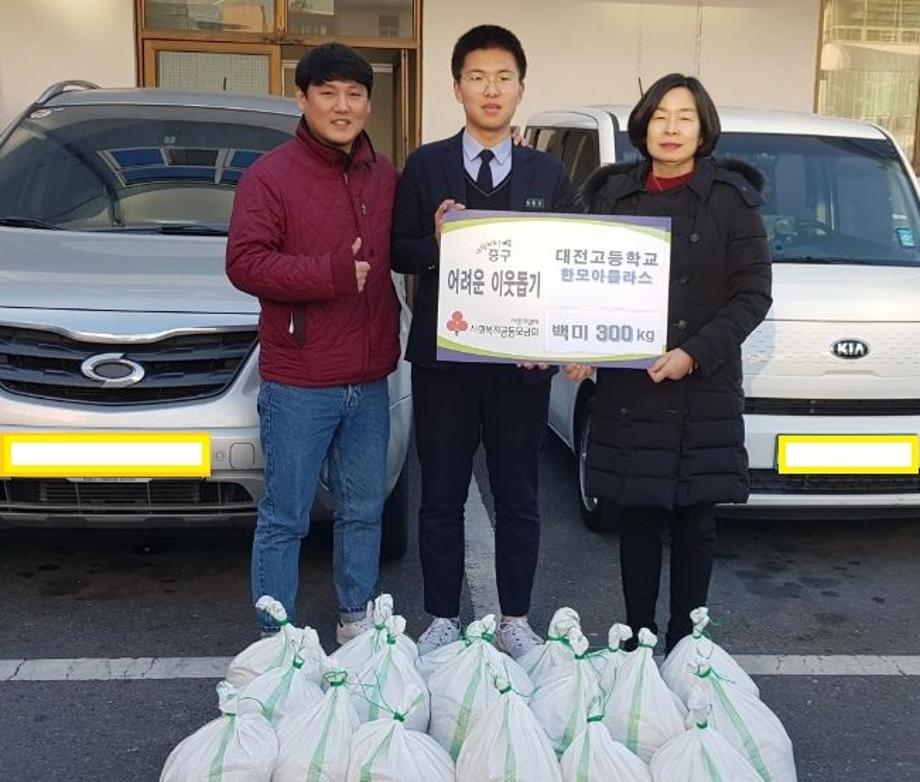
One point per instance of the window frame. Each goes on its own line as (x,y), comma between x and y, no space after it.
(153,46)
(825,20)
(150,41)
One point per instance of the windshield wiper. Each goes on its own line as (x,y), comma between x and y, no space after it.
(28,222)
(175,229)
(814,259)
(190,229)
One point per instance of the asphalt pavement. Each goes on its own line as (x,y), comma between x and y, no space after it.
(834,592)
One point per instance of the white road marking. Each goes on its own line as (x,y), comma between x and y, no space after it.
(118,669)
(144,668)
(829,665)
(480,554)
(480,576)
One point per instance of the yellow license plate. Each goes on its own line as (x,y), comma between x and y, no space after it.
(829,454)
(105,455)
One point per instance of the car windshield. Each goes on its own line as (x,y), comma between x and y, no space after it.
(165,169)
(828,199)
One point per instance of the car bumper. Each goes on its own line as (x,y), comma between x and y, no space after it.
(229,495)
(770,489)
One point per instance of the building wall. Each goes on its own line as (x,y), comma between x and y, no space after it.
(747,52)
(44,41)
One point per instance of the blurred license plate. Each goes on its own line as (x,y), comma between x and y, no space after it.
(851,454)
(105,456)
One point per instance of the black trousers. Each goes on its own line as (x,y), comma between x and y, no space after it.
(693,545)
(455,410)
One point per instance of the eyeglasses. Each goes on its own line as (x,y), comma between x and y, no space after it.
(503,81)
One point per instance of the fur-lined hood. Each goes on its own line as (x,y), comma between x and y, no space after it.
(615,181)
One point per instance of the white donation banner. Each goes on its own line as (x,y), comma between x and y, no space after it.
(553,288)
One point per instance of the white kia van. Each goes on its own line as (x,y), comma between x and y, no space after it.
(839,352)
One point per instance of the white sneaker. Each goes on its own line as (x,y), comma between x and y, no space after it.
(515,637)
(345,631)
(440,632)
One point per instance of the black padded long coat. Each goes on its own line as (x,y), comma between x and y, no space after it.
(680,443)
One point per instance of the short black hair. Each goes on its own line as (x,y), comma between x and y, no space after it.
(333,62)
(487,36)
(641,115)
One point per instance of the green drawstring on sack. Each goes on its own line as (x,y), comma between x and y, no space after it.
(281,691)
(635,706)
(711,768)
(367,770)
(750,746)
(216,771)
(465,713)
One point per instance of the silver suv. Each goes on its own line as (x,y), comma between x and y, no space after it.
(115,312)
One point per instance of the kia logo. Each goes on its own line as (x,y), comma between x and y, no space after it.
(112,370)
(849,348)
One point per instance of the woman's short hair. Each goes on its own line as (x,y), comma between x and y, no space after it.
(641,115)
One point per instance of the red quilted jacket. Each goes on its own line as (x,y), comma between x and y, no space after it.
(297,212)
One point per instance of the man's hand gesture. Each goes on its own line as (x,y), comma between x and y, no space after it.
(362,268)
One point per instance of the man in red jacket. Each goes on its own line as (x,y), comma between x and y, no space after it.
(309,236)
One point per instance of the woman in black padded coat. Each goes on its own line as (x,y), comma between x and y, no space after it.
(667,443)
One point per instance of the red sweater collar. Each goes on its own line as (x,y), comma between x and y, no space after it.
(655,184)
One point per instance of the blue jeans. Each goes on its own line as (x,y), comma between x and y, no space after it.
(300,428)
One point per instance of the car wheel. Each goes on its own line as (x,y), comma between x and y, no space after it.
(394,539)
(598,514)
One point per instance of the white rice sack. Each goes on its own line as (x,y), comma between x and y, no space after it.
(678,672)
(700,754)
(283,691)
(239,746)
(314,744)
(593,756)
(445,655)
(749,726)
(267,653)
(507,744)
(462,686)
(354,655)
(555,649)
(389,682)
(642,712)
(385,750)
(607,661)
(560,701)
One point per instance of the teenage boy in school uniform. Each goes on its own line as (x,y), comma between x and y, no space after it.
(459,405)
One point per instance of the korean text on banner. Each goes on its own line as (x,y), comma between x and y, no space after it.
(553,288)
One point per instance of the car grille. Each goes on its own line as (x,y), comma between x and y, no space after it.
(189,366)
(772,482)
(767,406)
(61,497)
